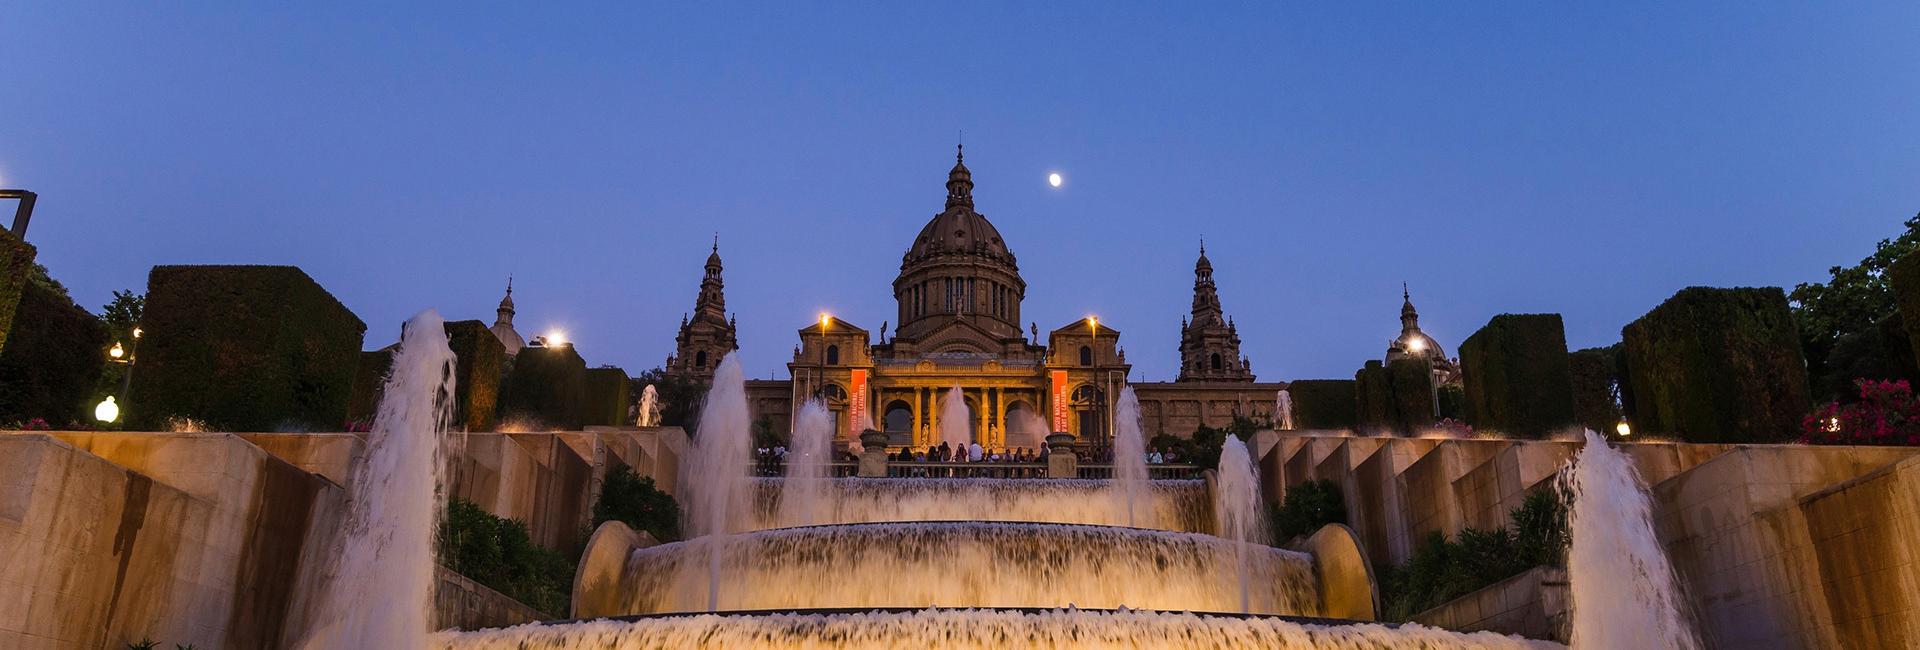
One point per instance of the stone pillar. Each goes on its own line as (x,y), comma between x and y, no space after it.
(873,454)
(1061,463)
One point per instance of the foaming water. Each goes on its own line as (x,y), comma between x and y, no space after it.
(971,564)
(1129,457)
(803,494)
(1624,591)
(1236,510)
(649,407)
(387,551)
(715,480)
(954,422)
(977,630)
(1174,505)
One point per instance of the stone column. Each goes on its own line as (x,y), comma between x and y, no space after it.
(1061,463)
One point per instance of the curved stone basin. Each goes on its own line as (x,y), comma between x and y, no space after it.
(974,630)
(967,564)
(1176,505)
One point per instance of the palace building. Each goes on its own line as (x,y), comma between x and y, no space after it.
(959,295)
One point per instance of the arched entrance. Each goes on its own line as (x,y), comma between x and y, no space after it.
(898,422)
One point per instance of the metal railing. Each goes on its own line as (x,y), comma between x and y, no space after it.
(1160,471)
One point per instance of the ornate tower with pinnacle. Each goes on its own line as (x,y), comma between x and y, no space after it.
(709,335)
(1209,342)
(503,324)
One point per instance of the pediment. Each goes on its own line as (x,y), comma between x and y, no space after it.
(960,336)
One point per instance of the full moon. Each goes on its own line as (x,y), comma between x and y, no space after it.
(1053,179)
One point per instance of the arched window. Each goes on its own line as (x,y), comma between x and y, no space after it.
(832,393)
(1086,356)
(1216,361)
(833,355)
(700,359)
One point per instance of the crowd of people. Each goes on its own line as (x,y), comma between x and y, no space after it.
(771,461)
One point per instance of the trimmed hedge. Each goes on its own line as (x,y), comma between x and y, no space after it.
(1411,381)
(1516,375)
(1718,365)
(1594,374)
(1373,397)
(1323,403)
(244,348)
(369,383)
(607,396)
(52,368)
(1904,276)
(481,360)
(547,388)
(16,260)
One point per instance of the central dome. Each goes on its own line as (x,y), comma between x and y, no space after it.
(958,268)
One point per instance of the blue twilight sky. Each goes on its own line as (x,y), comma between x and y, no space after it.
(1500,157)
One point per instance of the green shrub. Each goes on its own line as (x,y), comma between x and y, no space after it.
(1308,506)
(1516,375)
(607,396)
(52,368)
(369,382)
(1322,403)
(244,348)
(1441,570)
(547,386)
(1373,398)
(1410,382)
(16,262)
(500,554)
(481,361)
(1595,395)
(1718,365)
(632,499)
(1453,402)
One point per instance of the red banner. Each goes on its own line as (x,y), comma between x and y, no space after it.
(857,404)
(1059,400)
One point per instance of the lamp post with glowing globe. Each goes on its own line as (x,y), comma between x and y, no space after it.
(108,410)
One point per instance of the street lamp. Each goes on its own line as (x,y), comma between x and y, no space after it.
(1625,430)
(107,410)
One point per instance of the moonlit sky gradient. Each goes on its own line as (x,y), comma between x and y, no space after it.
(1525,157)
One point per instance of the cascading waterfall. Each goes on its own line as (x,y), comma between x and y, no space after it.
(649,407)
(973,564)
(1236,506)
(803,492)
(1625,594)
(1129,456)
(955,425)
(1283,410)
(1179,505)
(978,630)
(715,482)
(387,550)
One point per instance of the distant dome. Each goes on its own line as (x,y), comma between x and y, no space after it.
(958,230)
(509,339)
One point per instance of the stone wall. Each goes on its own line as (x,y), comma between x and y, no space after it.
(218,540)
(1536,604)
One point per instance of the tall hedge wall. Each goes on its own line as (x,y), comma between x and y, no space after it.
(1516,375)
(369,380)
(607,396)
(1718,365)
(1322,403)
(547,388)
(244,348)
(1904,275)
(52,367)
(481,360)
(1411,381)
(1373,398)
(16,259)
(1594,374)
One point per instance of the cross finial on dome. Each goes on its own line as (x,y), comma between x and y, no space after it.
(716,242)
(1404,294)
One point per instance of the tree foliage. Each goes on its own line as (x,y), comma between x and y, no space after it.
(1442,569)
(632,499)
(500,554)
(1851,302)
(1308,506)
(122,314)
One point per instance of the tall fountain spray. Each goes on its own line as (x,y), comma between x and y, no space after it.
(1624,591)
(803,493)
(715,479)
(1236,506)
(380,587)
(1283,410)
(649,408)
(1129,457)
(955,425)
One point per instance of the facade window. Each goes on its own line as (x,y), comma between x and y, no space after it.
(1086,356)
(1216,361)
(832,393)
(700,359)
(833,355)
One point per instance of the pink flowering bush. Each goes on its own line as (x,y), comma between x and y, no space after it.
(1887,414)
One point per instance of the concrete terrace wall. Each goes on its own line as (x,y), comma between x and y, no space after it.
(218,540)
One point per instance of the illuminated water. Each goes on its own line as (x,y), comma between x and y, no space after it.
(393,506)
(803,494)
(1237,514)
(968,564)
(955,428)
(1129,458)
(649,408)
(976,630)
(714,482)
(1624,591)
(1175,505)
